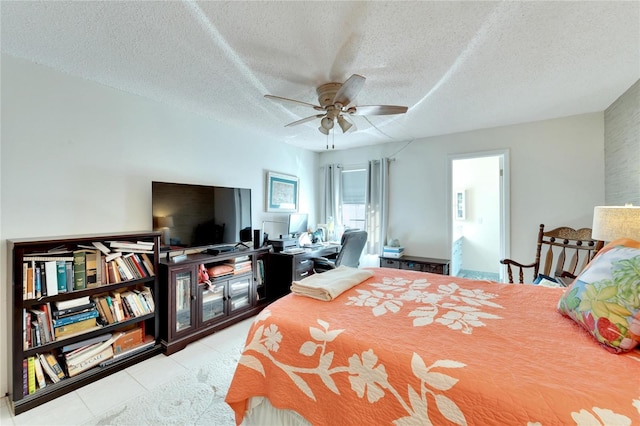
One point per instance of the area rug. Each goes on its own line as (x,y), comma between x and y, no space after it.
(195,398)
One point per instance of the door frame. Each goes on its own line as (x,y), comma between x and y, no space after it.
(505,211)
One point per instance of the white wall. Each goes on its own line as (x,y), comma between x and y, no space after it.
(557,177)
(78,157)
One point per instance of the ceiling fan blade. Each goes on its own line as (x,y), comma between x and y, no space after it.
(379,110)
(349,90)
(304,120)
(293,101)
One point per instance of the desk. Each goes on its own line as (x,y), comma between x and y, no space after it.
(415,263)
(285,268)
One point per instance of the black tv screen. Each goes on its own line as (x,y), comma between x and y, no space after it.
(200,215)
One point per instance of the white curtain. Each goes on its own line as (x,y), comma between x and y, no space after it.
(377,203)
(330,188)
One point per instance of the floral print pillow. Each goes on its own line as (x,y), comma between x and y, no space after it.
(605,297)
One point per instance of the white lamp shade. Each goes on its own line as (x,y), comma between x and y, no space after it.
(613,222)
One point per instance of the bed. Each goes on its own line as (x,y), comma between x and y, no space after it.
(413,348)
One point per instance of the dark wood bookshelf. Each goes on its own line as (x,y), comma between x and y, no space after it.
(21,248)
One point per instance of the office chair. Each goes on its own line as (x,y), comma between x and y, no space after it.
(352,243)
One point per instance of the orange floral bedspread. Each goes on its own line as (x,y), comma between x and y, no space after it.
(410,348)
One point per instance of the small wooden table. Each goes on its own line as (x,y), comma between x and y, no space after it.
(416,263)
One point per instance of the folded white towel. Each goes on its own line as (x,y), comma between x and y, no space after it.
(329,285)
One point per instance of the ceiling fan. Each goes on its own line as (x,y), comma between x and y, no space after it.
(337,104)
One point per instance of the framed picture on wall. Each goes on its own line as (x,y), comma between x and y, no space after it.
(460,204)
(282,192)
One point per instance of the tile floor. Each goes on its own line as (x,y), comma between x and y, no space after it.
(82,405)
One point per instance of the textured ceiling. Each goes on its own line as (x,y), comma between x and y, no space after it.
(458,66)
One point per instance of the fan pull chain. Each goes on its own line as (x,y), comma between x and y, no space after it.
(333,139)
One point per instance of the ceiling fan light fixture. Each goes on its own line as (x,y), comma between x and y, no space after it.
(344,124)
(323,130)
(326,123)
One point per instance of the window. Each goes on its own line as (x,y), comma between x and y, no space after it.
(352,203)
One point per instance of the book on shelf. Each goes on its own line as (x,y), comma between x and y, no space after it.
(112,273)
(51,277)
(27,282)
(87,342)
(129,339)
(79,270)
(61,276)
(26,329)
(48,369)
(111,256)
(147,343)
(39,279)
(60,313)
(72,303)
(69,275)
(93,270)
(25,376)
(77,327)
(239,259)
(74,318)
(138,246)
(100,246)
(40,380)
(31,372)
(148,264)
(260,272)
(94,361)
(104,309)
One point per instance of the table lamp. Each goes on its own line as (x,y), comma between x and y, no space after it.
(613,222)
(164,223)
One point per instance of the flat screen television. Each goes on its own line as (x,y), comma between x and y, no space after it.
(200,215)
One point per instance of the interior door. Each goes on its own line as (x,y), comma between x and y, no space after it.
(479,214)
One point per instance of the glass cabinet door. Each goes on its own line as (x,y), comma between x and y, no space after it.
(240,293)
(212,299)
(183,300)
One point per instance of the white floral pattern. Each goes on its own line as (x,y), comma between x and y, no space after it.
(447,304)
(367,376)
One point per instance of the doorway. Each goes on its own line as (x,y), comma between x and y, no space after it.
(479,214)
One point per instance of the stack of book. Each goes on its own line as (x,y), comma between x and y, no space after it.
(85,266)
(122,305)
(392,251)
(241,265)
(74,316)
(89,356)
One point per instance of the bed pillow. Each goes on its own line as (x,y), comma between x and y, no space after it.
(605,297)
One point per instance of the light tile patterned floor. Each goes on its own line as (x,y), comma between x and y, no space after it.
(479,275)
(80,406)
